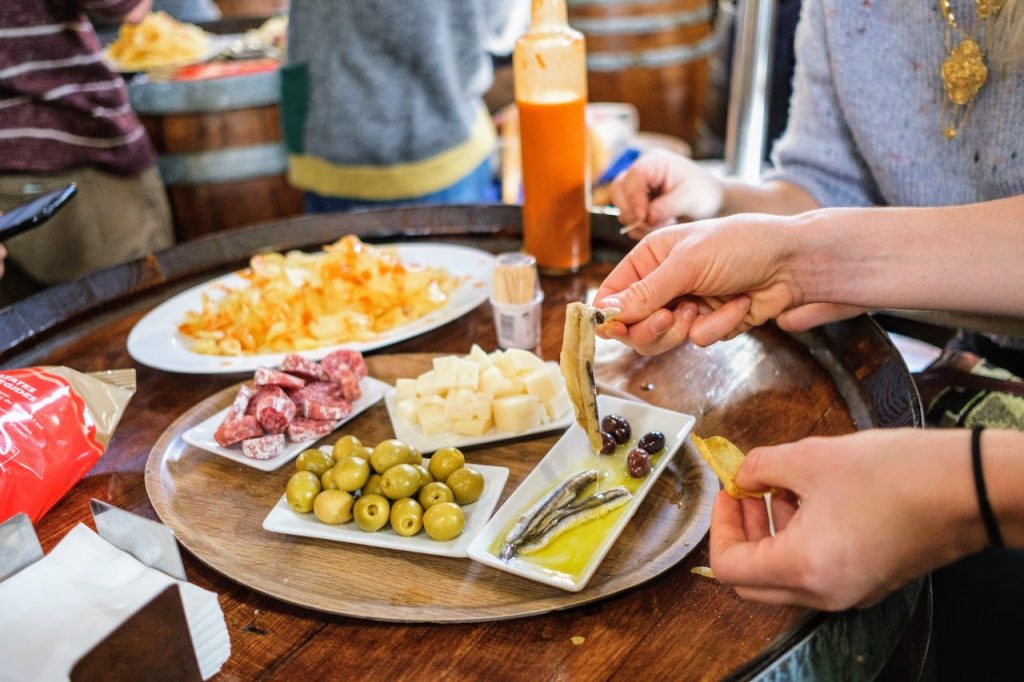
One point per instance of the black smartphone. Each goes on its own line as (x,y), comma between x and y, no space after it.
(34,212)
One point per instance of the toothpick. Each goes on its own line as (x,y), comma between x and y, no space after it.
(632,226)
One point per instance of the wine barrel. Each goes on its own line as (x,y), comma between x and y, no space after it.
(220,150)
(652,54)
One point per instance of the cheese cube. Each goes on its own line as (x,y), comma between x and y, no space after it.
(407,409)
(516,413)
(446,373)
(472,427)
(543,382)
(480,357)
(425,383)
(432,420)
(463,403)
(405,388)
(558,406)
(494,381)
(523,361)
(504,362)
(469,375)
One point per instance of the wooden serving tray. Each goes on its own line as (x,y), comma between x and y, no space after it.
(216,509)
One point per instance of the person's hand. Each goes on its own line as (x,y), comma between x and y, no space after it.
(3,255)
(661,188)
(701,282)
(876,509)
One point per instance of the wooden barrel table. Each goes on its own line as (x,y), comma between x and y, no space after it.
(220,145)
(766,387)
(652,54)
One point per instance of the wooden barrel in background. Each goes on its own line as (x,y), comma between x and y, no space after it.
(220,149)
(251,8)
(652,54)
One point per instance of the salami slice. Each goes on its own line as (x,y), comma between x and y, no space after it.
(303,367)
(240,403)
(322,400)
(343,376)
(260,393)
(237,430)
(266,376)
(302,429)
(352,358)
(275,410)
(264,447)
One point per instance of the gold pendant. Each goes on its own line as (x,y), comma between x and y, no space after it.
(964,72)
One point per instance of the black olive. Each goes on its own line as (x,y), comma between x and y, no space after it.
(617,426)
(608,444)
(653,442)
(638,463)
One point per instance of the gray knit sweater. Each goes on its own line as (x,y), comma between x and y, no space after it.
(864,125)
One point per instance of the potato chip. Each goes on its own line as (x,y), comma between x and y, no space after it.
(158,41)
(725,459)
(299,301)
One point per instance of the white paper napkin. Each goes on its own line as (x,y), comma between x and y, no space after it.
(56,610)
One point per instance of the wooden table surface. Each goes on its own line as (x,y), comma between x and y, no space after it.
(766,387)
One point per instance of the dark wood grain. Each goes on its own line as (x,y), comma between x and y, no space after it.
(766,387)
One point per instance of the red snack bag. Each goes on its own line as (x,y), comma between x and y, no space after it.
(55,423)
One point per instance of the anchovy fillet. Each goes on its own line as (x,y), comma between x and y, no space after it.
(577,364)
(574,518)
(558,497)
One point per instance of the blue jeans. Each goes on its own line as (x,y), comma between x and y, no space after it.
(476,188)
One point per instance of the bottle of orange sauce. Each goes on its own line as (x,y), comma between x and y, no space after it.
(549,68)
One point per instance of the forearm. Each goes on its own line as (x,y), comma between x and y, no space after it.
(959,258)
(776,197)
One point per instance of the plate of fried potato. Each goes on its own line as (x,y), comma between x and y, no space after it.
(351,295)
(160,42)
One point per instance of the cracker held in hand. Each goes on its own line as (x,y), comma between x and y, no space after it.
(725,460)
(577,364)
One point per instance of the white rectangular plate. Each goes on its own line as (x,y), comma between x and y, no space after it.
(201,435)
(155,340)
(570,455)
(282,519)
(411,434)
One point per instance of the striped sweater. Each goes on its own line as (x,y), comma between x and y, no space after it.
(61,108)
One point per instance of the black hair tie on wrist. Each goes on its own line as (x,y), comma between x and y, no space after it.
(987,516)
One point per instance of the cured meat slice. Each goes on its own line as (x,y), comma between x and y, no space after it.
(265,376)
(343,376)
(274,410)
(352,358)
(240,403)
(237,430)
(302,429)
(303,367)
(321,400)
(264,447)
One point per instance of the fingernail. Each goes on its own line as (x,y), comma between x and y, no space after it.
(611,303)
(661,323)
(689,312)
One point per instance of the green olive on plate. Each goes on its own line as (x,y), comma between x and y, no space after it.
(388,453)
(467,484)
(401,480)
(425,476)
(351,473)
(302,489)
(334,506)
(314,460)
(435,493)
(371,512)
(415,456)
(327,480)
(406,516)
(444,462)
(372,486)
(443,521)
(344,447)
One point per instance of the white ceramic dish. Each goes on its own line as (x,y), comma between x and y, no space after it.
(570,455)
(156,342)
(411,434)
(282,519)
(201,435)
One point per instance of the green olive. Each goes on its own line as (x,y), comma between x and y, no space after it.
(425,476)
(372,486)
(345,446)
(401,480)
(443,521)
(388,453)
(334,506)
(467,484)
(327,480)
(363,451)
(435,493)
(415,456)
(351,473)
(371,512)
(406,516)
(444,462)
(314,460)
(302,489)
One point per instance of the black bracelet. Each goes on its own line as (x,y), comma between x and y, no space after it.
(987,516)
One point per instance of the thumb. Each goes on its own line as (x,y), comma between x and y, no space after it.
(645,296)
(779,466)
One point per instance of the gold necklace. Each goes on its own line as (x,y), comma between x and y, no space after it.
(963,71)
